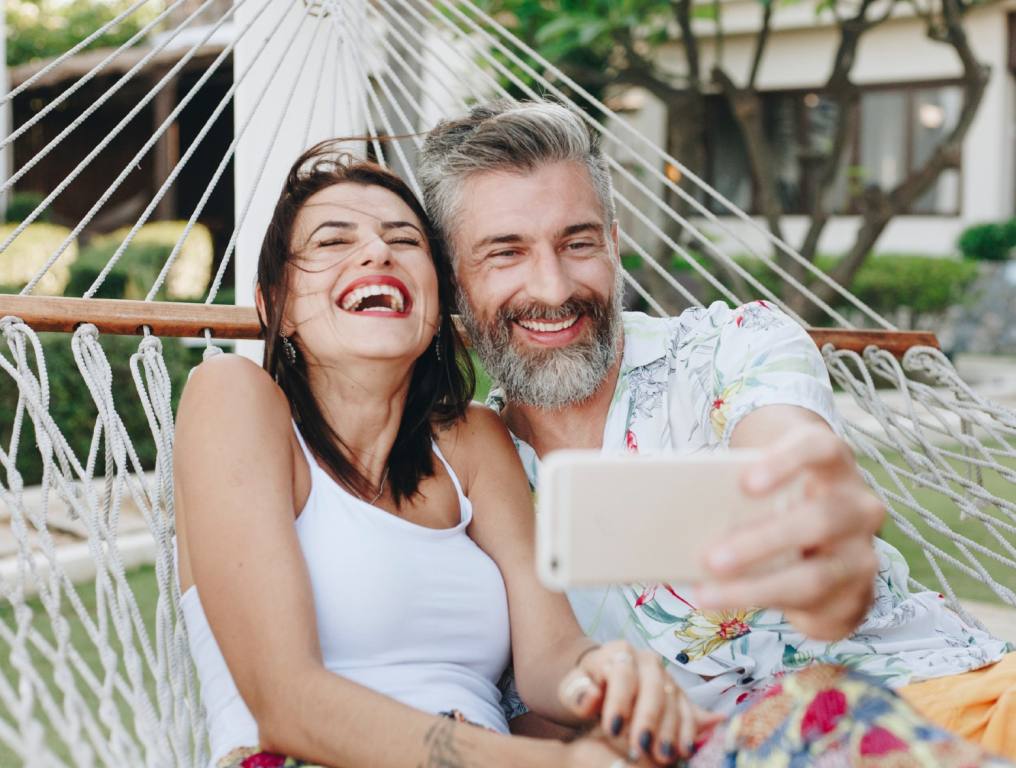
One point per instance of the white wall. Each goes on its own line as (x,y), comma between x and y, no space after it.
(291,98)
(800,55)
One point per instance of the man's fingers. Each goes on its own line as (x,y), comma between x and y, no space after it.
(812,583)
(811,445)
(806,526)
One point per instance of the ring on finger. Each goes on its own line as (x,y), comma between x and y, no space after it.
(576,685)
(620,763)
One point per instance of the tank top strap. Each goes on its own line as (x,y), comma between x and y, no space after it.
(465,505)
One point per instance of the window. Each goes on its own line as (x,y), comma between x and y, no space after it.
(899,128)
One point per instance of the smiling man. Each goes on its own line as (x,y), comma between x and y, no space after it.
(522,195)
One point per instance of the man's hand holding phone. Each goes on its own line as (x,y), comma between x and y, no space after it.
(787,526)
(823,538)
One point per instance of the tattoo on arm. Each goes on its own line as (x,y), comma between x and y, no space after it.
(443,750)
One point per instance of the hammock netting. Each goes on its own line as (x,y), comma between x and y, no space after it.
(89,678)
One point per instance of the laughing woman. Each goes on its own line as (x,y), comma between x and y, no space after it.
(353,535)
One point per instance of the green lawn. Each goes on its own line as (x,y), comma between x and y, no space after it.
(965,586)
(143,584)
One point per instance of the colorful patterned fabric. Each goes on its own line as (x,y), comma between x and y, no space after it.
(825,716)
(685,383)
(252,757)
(828,716)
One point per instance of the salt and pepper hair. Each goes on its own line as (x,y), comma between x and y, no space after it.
(511,136)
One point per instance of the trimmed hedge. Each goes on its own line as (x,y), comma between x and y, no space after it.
(28,254)
(21,204)
(71,404)
(191,272)
(922,283)
(988,242)
(925,284)
(130,278)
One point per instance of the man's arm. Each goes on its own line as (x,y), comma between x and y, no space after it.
(824,538)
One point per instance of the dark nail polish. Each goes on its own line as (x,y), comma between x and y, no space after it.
(615,725)
(646,741)
(667,748)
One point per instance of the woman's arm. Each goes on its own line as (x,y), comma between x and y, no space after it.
(235,472)
(629,689)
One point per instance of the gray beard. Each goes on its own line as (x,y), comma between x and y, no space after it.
(550,379)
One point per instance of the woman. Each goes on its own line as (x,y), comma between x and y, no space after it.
(358,533)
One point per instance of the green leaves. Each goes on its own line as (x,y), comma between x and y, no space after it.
(40,29)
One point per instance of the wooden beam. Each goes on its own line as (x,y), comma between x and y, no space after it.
(165,318)
(897,342)
(129,318)
(81,63)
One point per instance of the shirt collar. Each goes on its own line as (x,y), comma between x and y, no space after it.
(646,340)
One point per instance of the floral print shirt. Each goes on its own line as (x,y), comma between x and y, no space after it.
(685,383)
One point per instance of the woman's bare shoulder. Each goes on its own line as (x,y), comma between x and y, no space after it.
(475,440)
(231,392)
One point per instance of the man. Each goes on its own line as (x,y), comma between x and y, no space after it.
(523,198)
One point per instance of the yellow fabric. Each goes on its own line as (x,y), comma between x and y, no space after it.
(979,706)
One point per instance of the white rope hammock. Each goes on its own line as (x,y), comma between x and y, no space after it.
(95,682)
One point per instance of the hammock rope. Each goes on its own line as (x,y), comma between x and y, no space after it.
(89,678)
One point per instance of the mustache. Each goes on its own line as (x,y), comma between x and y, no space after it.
(575,305)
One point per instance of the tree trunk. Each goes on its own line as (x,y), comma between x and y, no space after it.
(878,207)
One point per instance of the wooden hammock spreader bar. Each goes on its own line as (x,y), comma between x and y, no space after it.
(223,321)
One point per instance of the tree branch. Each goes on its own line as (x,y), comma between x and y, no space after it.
(841,90)
(879,207)
(760,43)
(746,106)
(682,13)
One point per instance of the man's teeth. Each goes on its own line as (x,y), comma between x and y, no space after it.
(352,300)
(544,327)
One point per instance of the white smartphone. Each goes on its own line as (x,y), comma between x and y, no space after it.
(627,519)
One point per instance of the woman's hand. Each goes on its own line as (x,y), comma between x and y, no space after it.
(642,712)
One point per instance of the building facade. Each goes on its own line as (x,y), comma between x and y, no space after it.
(910,98)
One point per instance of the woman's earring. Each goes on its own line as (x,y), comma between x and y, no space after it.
(437,343)
(288,349)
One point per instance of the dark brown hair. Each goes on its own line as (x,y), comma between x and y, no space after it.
(441,385)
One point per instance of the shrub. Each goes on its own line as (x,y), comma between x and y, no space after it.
(191,272)
(71,405)
(21,204)
(130,278)
(988,242)
(925,284)
(24,257)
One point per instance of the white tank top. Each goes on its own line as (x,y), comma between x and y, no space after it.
(415,613)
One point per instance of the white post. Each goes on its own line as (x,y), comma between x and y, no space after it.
(333,106)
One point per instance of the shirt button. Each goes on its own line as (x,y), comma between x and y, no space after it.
(682,658)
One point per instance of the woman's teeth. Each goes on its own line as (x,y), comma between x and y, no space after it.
(354,300)
(544,327)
